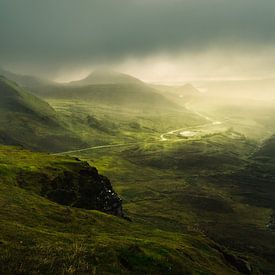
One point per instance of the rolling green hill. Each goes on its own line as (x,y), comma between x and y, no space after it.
(202,204)
(109,89)
(38,235)
(130,96)
(30,122)
(210,184)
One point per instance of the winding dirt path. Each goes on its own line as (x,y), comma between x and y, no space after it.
(163,137)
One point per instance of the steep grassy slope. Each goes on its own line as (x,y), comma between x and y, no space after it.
(14,98)
(27,81)
(28,121)
(63,180)
(40,236)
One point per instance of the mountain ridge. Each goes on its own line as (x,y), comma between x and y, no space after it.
(26,81)
(29,121)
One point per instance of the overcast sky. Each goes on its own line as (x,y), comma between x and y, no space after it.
(157,40)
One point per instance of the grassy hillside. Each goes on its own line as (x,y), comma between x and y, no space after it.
(28,121)
(198,204)
(105,88)
(256,181)
(27,81)
(211,153)
(66,181)
(130,96)
(41,236)
(100,125)
(197,185)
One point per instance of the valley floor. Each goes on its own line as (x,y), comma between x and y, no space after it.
(188,185)
(194,204)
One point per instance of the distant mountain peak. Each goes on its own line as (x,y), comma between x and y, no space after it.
(103,76)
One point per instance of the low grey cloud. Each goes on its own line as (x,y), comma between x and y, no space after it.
(51,34)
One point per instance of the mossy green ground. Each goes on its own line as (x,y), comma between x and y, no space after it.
(39,236)
(185,186)
(31,122)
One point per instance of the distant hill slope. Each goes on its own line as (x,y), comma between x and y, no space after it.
(131,96)
(101,87)
(29,121)
(183,90)
(27,81)
(109,88)
(179,94)
(107,77)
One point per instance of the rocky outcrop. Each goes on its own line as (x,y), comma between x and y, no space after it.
(271,223)
(239,263)
(80,186)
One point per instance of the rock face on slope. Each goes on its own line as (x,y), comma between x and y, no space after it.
(80,186)
(85,189)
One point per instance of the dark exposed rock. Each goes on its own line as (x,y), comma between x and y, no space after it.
(271,223)
(80,187)
(239,263)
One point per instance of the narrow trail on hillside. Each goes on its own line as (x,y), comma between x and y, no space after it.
(163,137)
(97,147)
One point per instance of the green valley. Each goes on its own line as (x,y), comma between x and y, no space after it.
(186,189)
(137,137)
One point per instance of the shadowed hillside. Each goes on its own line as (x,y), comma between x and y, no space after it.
(268,149)
(29,121)
(27,81)
(109,89)
(137,96)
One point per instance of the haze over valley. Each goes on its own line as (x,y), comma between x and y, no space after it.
(137,137)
